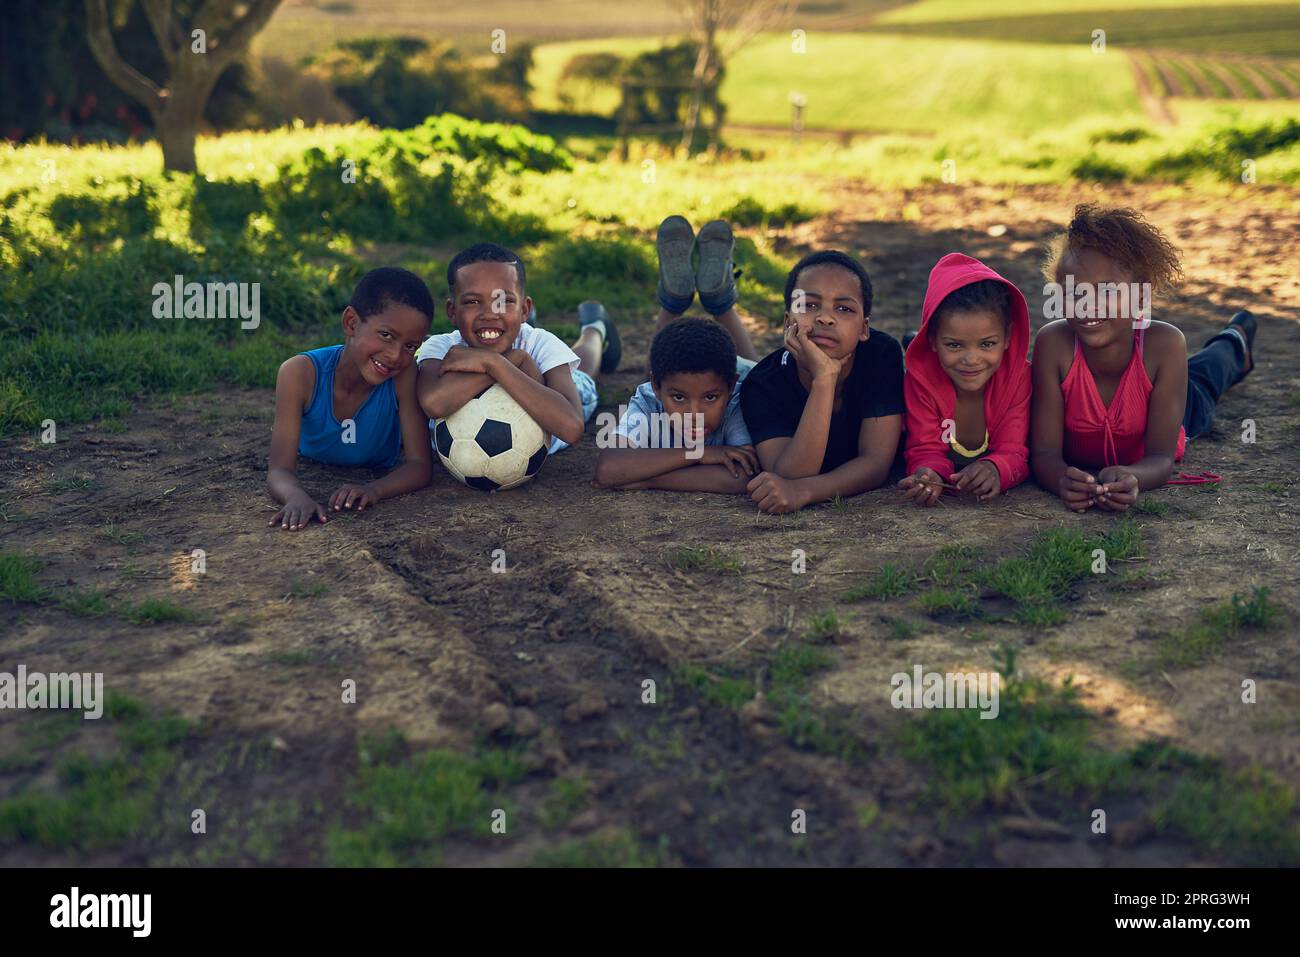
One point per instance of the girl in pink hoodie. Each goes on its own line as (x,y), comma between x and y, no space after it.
(967,385)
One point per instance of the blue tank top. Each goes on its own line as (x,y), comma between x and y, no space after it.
(377,436)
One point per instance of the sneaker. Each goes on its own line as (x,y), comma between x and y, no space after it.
(591,312)
(674,243)
(715,278)
(1243,324)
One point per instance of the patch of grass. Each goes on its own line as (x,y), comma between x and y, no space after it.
(114,533)
(948,601)
(791,674)
(823,626)
(891,581)
(405,806)
(152,611)
(301,589)
(101,801)
(77,483)
(18,578)
(950,564)
(1150,506)
(1200,642)
(618,849)
(566,798)
(1042,738)
(1055,561)
(902,629)
(689,558)
(728,691)
(86,604)
(9,512)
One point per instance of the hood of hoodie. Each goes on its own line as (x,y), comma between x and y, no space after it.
(951,273)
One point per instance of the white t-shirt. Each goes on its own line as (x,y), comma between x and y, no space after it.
(546,348)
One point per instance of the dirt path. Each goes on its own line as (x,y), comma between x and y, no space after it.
(553,654)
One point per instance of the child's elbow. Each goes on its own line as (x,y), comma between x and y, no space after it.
(604,477)
(573,431)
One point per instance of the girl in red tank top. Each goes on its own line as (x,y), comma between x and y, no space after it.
(1115,397)
(1098,435)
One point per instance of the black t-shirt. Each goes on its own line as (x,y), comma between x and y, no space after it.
(773,398)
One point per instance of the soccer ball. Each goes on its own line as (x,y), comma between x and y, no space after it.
(490,443)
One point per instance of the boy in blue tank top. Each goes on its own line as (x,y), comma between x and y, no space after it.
(354,404)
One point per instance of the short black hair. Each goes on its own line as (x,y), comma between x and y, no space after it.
(483,253)
(388,284)
(692,345)
(830,257)
(988,294)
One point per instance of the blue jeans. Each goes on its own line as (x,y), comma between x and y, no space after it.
(1210,373)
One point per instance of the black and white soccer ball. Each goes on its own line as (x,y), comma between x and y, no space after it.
(490,443)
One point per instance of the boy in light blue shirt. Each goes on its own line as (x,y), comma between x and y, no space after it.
(684,429)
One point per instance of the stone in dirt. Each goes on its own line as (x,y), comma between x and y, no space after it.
(524,723)
(495,717)
(589,704)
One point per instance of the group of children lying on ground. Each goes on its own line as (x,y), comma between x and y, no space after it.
(1102,413)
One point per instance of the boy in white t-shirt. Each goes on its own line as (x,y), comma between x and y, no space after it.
(492,344)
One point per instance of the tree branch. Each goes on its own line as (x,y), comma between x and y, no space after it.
(222,50)
(159,14)
(126,77)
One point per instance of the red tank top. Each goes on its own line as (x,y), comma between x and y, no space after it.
(1096,435)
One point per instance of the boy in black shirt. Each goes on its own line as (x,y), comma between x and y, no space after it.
(826,411)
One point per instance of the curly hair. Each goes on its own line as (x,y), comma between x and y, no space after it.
(692,345)
(1124,235)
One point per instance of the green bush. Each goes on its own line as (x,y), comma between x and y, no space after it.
(1223,150)
(397,81)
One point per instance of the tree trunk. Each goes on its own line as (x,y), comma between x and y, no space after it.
(177,133)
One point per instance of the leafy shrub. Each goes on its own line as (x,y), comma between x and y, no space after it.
(397,81)
(1223,149)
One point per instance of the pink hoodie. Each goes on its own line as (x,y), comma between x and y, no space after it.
(931,396)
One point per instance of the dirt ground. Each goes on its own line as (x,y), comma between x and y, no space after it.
(590,605)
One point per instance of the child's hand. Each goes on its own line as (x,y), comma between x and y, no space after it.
(354,496)
(1078,489)
(775,495)
(1119,488)
(923,487)
(525,363)
(298,512)
(807,353)
(465,359)
(738,458)
(981,479)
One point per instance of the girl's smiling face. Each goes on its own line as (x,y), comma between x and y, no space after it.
(1104,324)
(970,345)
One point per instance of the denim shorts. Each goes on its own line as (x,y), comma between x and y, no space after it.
(586,387)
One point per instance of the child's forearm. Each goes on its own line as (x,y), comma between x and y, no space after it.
(854,477)
(451,391)
(1049,468)
(700,478)
(1152,471)
(283,484)
(549,409)
(618,467)
(407,477)
(803,454)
